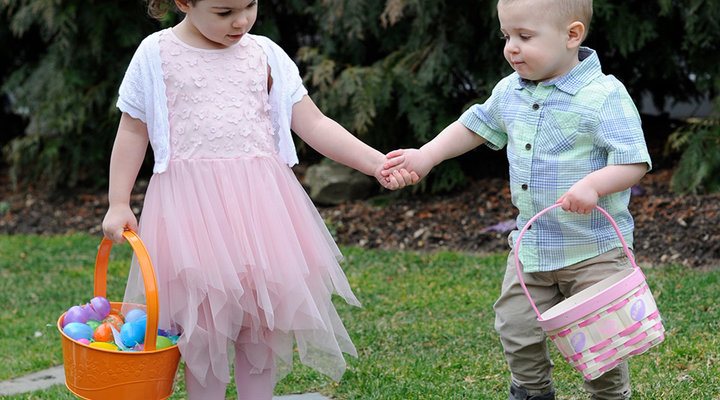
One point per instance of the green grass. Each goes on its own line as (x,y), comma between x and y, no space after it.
(425,330)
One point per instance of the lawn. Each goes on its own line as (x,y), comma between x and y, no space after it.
(425,330)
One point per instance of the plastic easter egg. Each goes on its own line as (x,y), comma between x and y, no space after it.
(83,341)
(93,324)
(134,315)
(76,314)
(162,343)
(132,333)
(103,333)
(114,319)
(101,306)
(142,321)
(91,312)
(77,330)
(104,345)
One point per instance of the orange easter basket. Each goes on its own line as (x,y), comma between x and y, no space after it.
(99,374)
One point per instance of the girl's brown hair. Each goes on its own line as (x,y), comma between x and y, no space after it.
(158,8)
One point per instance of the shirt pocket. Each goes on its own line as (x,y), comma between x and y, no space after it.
(559,131)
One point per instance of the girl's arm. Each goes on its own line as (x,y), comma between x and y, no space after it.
(333,141)
(584,194)
(127,156)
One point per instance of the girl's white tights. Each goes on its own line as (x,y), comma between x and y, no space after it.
(250,386)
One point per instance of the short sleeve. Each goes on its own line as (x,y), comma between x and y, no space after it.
(485,119)
(131,97)
(619,130)
(295,88)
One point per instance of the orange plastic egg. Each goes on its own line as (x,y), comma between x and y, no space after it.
(103,333)
(115,319)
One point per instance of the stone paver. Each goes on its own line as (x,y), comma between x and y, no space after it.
(56,376)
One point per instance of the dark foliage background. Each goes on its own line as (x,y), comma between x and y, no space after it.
(395,72)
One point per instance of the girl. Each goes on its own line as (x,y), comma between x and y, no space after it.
(241,254)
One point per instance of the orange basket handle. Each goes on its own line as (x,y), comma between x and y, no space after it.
(148,273)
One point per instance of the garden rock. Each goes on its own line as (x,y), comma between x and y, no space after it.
(331,183)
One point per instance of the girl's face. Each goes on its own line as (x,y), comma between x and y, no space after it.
(537,45)
(216,23)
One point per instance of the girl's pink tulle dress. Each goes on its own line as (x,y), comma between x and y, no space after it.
(239,249)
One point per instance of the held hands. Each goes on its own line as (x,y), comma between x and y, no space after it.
(117,219)
(407,166)
(391,176)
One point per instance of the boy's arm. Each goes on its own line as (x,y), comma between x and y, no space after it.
(333,141)
(127,156)
(454,140)
(584,194)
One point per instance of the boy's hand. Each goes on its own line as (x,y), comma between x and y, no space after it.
(581,198)
(583,195)
(408,163)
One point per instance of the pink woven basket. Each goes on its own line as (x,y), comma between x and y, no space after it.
(604,324)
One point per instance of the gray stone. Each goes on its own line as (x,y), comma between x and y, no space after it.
(332,183)
(56,376)
(34,381)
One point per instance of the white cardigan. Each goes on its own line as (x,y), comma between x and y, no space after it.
(142,95)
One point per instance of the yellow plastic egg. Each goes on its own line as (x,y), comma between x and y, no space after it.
(104,345)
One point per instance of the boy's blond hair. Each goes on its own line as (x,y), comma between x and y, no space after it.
(565,11)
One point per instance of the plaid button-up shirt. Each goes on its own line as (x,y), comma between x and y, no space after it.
(556,133)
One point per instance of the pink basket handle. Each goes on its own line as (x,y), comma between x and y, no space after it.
(527,226)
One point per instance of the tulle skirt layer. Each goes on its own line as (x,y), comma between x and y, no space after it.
(241,254)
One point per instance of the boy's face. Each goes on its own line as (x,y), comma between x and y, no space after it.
(537,45)
(218,23)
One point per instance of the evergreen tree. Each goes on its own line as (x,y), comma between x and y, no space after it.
(394,72)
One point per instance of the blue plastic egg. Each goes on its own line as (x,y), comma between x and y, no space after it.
(132,333)
(77,330)
(134,315)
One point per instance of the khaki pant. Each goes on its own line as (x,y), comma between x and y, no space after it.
(524,341)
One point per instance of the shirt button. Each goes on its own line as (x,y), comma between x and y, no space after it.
(524,186)
(536,106)
(528,146)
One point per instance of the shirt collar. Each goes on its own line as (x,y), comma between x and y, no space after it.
(583,73)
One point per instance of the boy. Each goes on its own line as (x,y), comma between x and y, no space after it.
(573,137)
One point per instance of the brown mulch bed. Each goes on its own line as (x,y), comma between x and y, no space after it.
(669,228)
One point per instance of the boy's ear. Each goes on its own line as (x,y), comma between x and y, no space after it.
(576,34)
(182,5)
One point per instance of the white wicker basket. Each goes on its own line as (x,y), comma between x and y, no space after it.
(604,324)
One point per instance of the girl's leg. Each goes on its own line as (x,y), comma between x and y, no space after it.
(251,382)
(214,389)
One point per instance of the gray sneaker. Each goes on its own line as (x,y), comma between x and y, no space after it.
(518,393)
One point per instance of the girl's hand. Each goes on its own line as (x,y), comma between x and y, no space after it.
(117,220)
(581,198)
(398,178)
